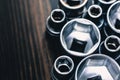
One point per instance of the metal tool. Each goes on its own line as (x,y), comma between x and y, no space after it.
(111,46)
(105,4)
(73,8)
(63,68)
(80,37)
(97,67)
(95,14)
(113,19)
(55,22)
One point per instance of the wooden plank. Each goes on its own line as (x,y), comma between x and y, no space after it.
(24,42)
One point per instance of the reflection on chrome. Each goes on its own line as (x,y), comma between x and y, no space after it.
(80,37)
(55,22)
(113,17)
(95,15)
(73,8)
(97,67)
(62,69)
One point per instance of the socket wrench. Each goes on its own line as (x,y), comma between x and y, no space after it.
(111,46)
(55,22)
(63,68)
(97,67)
(80,37)
(73,8)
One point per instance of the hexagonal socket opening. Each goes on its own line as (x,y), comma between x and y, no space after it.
(80,37)
(58,15)
(95,11)
(112,43)
(63,65)
(73,2)
(97,67)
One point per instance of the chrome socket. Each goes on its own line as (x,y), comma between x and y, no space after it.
(95,14)
(111,46)
(118,60)
(105,4)
(55,22)
(63,68)
(97,67)
(113,19)
(73,8)
(80,37)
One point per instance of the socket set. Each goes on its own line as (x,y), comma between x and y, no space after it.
(90,31)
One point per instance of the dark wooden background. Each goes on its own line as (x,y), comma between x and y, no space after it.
(24,50)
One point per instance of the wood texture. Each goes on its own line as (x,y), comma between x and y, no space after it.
(24,51)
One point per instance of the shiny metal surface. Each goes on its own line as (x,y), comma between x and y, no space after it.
(95,11)
(111,46)
(97,67)
(80,37)
(113,17)
(73,8)
(62,69)
(55,22)
(105,4)
(106,1)
(112,43)
(95,15)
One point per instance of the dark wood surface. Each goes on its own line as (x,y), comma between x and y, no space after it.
(24,50)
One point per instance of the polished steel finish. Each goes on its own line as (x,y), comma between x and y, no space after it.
(112,43)
(80,37)
(55,22)
(113,17)
(63,68)
(118,59)
(107,1)
(97,67)
(95,11)
(111,46)
(95,15)
(73,8)
(105,4)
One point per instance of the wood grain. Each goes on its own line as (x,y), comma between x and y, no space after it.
(24,51)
